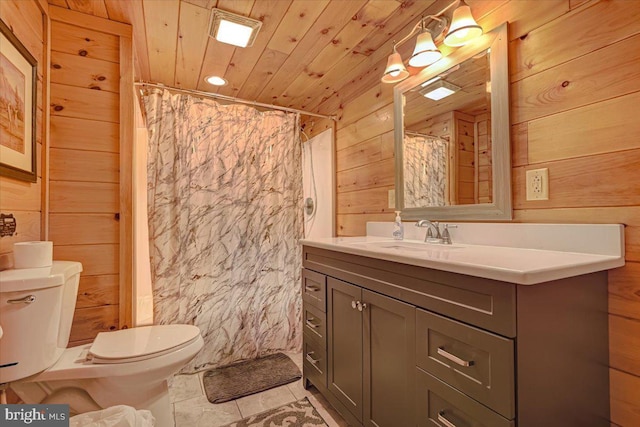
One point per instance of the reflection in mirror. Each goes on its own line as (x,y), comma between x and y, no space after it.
(447,149)
(452,135)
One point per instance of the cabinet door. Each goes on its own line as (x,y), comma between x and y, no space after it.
(389,361)
(344,332)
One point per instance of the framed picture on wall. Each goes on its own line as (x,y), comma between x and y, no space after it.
(18,78)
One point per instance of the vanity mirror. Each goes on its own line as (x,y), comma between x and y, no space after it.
(452,135)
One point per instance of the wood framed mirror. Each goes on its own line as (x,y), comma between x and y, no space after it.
(453,159)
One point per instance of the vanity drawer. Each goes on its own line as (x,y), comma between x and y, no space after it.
(314,289)
(314,362)
(478,363)
(314,325)
(438,404)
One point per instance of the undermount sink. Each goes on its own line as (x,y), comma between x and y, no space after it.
(404,245)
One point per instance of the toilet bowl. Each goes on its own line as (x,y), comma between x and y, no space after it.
(129,366)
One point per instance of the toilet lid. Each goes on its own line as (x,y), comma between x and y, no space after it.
(139,342)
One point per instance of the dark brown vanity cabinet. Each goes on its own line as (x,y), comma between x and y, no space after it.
(371,352)
(396,345)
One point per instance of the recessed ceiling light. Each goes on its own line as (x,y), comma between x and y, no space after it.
(439,89)
(233,29)
(215,80)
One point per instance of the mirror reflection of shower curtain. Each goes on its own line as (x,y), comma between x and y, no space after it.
(425,171)
(225,217)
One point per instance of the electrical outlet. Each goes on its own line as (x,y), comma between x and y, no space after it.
(392,199)
(538,184)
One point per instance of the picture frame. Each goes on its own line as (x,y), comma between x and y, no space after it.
(18,103)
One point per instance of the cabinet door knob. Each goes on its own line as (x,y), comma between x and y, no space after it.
(354,304)
(362,306)
(455,359)
(445,421)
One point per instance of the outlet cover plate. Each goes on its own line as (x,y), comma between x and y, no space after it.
(538,184)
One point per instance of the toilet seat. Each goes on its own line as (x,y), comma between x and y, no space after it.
(140,343)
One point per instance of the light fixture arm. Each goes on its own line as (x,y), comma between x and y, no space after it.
(420,24)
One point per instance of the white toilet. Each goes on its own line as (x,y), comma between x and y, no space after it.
(129,366)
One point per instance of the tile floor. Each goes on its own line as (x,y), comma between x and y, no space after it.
(192,409)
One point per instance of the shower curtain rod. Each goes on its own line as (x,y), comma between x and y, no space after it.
(233,99)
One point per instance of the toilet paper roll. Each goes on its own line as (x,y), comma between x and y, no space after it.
(32,254)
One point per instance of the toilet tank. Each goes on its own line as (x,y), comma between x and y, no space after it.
(36,312)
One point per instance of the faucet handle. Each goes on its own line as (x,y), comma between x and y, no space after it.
(446,237)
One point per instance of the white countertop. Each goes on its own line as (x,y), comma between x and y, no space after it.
(521,265)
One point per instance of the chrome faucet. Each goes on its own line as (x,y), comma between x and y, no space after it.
(434,227)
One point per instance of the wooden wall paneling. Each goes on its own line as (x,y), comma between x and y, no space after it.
(373,200)
(88,321)
(90,7)
(597,76)
(96,259)
(519,144)
(20,195)
(596,26)
(88,166)
(83,229)
(27,229)
(374,99)
(599,180)
(82,134)
(95,291)
(81,103)
(564,135)
(323,30)
(363,153)
(244,61)
(84,42)
(632,244)
(378,174)
(88,21)
(313,126)
(624,295)
(379,122)
(26,21)
(193,27)
(624,398)
(355,224)
(368,19)
(89,73)
(127,129)
(46,124)
(269,63)
(85,197)
(624,342)
(59,3)
(295,24)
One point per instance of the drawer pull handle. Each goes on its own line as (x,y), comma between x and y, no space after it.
(26,300)
(310,288)
(455,359)
(311,359)
(445,421)
(311,324)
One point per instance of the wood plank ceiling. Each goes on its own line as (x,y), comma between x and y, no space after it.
(310,54)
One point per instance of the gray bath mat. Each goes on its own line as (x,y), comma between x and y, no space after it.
(249,377)
(296,414)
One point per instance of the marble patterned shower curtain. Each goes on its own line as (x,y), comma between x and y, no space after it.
(225,216)
(425,171)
